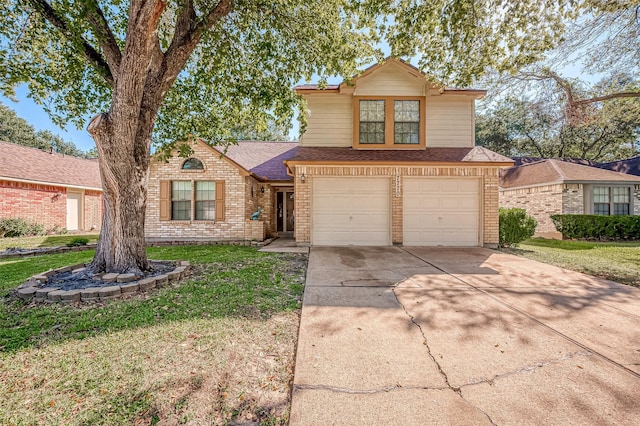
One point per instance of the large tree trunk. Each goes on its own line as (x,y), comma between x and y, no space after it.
(140,75)
(124,168)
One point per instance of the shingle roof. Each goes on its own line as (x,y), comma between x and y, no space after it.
(32,164)
(317,87)
(265,159)
(630,166)
(518,161)
(430,155)
(552,171)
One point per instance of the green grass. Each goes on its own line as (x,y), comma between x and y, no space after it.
(217,348)
(615,261)
(43,241)
(14,271)
(228,281)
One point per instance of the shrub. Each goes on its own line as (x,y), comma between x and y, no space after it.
(18,227)
(79,241)
(57,230)
(515,226)
(597,227)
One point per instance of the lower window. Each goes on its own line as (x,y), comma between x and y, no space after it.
(611,200)
(205,200)
(185,194)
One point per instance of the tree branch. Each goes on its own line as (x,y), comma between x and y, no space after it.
(105,37)
(186,37)
(607,97)
(91,54)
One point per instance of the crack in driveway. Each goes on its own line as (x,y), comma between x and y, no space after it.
(456,390)
(529,316)
(527,368)
(383,389)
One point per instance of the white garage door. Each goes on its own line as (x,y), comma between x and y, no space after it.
(350,211)
(441,211)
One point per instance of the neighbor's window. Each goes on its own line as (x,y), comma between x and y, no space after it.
(621,200)
(180,200)
(614,200)
(192,164)
(406,125)
(205,200)
(372,121)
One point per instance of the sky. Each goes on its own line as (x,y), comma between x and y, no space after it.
(39,119)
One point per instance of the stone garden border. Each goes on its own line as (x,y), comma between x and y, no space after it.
(122,285)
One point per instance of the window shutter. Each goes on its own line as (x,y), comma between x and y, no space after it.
(165,200)
(220,200)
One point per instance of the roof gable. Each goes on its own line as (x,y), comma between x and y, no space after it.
(409,75)
(263,159)
(392,78)
(23,163)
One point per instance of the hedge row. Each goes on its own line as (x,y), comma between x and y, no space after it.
(17,227)
(597,227)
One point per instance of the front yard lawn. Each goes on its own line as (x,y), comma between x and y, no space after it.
(218,348)
(44,241)
(613,261)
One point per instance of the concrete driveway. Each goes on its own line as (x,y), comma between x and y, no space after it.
(415,336)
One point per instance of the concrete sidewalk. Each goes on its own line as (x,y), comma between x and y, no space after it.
(419,336)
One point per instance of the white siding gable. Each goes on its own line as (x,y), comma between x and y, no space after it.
(330,120)
(390,80)
(450,121)
(449,117)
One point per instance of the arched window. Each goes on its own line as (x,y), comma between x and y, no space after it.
(192,164)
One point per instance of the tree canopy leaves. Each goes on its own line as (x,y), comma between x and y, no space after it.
(245,64)
(17,130)
(539,125)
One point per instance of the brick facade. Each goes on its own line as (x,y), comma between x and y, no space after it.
(540,202)
(46,205)
(242,197)
(572,199)
(92,210)
(489,194)
(543,201)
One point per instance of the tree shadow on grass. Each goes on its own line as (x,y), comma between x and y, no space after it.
(249,287)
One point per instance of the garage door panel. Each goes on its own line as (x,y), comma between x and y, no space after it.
(350,211)
(441,211)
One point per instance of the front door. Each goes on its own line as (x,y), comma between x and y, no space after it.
(285,216)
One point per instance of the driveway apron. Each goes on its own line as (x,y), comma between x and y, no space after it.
(417,336)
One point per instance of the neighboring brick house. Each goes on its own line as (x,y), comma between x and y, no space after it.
(388,158)
(552,186)
(50,189)
(212,195)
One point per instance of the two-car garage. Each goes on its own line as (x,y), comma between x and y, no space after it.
(436,211)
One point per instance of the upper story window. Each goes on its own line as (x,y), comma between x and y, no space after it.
(372,121)
(389,122)
(611,200)
(406,122)
(192,164)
